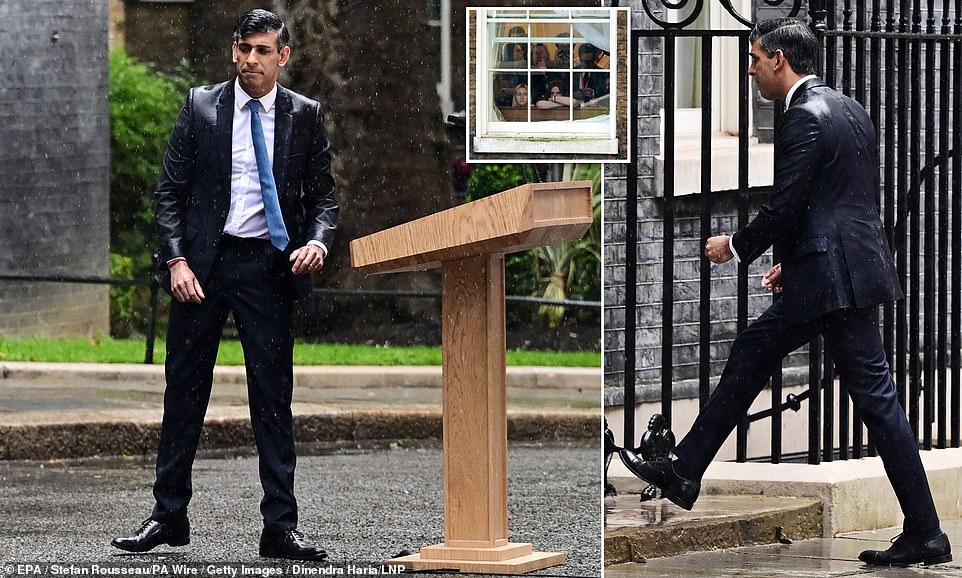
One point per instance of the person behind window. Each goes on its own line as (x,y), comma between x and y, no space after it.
(520,97)
(590,85)
(513,54)
(562,54)
(540,77)
(539,56)
(556,97)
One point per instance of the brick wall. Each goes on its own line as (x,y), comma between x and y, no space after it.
(54,164)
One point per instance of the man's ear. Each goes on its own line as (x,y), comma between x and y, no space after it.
(285,55)
(778,59)
(233,52)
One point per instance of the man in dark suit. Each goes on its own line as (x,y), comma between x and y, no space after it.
(823,218)
(589,85)
(245,209)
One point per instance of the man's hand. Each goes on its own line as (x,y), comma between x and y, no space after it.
(183,283)
(772,281)
(307,259)
(717,249)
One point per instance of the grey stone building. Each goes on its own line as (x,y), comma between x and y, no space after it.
(54,165)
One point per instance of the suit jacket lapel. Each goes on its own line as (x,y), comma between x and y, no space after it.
(283,121)
(223,135)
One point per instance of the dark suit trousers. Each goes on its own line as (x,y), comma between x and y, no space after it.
(856,348)
(248,278)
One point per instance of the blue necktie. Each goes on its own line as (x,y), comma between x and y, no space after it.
(272,208)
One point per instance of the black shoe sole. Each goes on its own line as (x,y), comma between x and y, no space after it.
(924,562)
(137,549)
(937,560)
(679,501)
(280,555)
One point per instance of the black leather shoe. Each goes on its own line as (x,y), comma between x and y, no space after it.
(908,550)
(661,473)
(289,544)
(153,533)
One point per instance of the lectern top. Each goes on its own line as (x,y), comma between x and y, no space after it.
(520,218)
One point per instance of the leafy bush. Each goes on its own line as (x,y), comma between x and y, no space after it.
(143,105)
(566,270)
(573,268)
(490,179)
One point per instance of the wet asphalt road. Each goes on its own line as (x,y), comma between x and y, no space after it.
(362,505)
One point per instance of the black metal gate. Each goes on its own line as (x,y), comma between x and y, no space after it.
(905,66)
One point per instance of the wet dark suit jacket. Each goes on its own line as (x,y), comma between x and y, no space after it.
(193,195)
(823,217)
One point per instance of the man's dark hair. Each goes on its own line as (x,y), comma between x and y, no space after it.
(259,20)
(793,37)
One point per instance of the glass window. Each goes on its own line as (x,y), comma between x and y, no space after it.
(548,66)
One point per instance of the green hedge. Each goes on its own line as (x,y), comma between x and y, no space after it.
(143,105)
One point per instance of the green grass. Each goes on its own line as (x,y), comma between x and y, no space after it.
(109,350)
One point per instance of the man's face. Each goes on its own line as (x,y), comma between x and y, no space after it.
(586,55)
(258,62)
(762,68)
(561,53)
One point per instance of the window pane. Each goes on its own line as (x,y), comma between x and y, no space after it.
(592,88)
(510,44)
(555,40)
(593,14)
(556,104)
(508,13)
(551,13)
(515,100)
(503,86)
(589,56)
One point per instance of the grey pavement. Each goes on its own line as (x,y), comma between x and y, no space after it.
(820,557)
(363,505)
(368,478)
(78,410)
(42,387)
(32,390)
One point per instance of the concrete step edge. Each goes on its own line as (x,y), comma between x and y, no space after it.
(48,441)
(799,522)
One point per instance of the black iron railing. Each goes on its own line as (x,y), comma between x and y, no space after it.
(151,333)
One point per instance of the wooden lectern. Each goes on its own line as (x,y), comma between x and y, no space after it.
(469,243)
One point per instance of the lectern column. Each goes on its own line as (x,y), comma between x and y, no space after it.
(475,419)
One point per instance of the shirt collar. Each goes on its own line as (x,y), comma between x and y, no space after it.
(791,91)
(241,98)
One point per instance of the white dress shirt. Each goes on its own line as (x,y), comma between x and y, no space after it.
(246,217)
(791,91)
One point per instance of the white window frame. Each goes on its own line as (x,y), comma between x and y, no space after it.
(538,137)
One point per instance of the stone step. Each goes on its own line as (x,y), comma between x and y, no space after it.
(636,531)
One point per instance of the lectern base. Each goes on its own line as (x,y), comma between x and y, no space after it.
(482,560)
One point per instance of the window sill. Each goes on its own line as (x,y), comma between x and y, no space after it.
(546,145)
(724,165)
(520,113)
